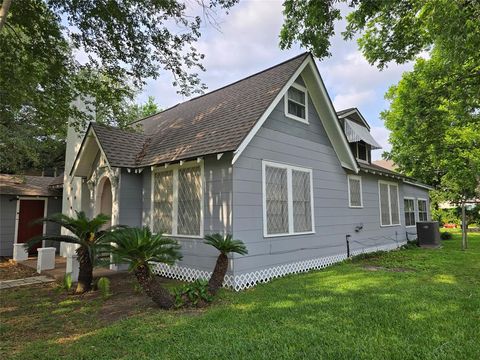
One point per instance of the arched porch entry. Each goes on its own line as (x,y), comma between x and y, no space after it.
(104,199)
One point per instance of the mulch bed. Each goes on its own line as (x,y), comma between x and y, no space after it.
(11,270)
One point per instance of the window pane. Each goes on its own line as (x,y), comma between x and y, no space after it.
(422,210)
(296,109)
(394,204)
(302,210)
(362,151)
(163,202)
(355,192)
(384,210)
(189,201)
(409,210)
(296,95)
(276,200)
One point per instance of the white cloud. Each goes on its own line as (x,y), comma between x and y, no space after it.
(380,134)
(353,98)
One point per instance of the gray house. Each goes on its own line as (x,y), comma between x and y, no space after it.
(23,199)
(267,159)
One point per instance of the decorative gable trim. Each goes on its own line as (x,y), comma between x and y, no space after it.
(314,83)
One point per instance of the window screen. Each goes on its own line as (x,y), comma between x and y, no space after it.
(362,151)
(189,201)
(163,202)
(296,102)
(409,210)
(422,210)
(276,200)
(302,217)
(389,214)
(355,191)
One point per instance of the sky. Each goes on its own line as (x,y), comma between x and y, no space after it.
(247,42)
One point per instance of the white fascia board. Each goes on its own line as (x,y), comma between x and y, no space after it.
(266,114)
(81,151)
(423,186)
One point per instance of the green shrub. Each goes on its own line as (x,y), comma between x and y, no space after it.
(66,283)
(193,294)
(103,285)
(446,235)
(411,244)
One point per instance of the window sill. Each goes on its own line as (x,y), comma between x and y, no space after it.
(390,225)
(182,236)
(294,117)
(410,226)
(292,234)
(355,207)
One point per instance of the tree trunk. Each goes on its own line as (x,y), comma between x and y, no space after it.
(4,12)
(464,228)
(218,275)
(153,289)
(85,273)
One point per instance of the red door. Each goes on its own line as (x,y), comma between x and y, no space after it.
(30,210)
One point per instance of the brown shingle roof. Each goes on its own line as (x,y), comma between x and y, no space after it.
(27,185)
(121,147)
(212,123)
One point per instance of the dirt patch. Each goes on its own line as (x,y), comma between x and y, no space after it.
(381,268)
(11,270)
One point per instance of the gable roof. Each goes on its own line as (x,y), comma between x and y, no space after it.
(28,185)
(223,120)
(353,114)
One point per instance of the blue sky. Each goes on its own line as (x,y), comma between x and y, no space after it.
(247,42)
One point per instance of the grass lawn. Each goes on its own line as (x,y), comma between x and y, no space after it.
(409,304)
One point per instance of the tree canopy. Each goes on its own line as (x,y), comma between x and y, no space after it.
(123,43)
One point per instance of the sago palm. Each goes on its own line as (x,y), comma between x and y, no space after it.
(89,234)
(140,248)
(224,244)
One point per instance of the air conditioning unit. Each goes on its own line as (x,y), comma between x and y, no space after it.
(428,233)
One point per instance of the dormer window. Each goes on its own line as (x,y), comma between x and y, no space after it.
(296,103)
(362,151)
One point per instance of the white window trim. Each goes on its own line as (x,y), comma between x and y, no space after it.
(286,99)
(415,211)
(355,177)
(175,169)
(289,169)
(389,183)
(418,208)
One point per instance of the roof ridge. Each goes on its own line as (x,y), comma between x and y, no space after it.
(306,53)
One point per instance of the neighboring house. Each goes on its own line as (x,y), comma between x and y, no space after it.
(266,159)
(23,199)
(387,164)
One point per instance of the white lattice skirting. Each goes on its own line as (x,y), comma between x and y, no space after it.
(247,280)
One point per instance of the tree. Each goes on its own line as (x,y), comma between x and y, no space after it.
(139,248)
(123,44)
(89,234)
(226,245)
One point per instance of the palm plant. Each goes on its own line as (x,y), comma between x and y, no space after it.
(91,237)
(224,244)
(140,248)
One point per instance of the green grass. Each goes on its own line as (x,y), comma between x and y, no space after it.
(419,304)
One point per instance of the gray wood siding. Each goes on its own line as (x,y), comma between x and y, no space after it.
(130,199)
(217,211)
(8,209)
(285,140)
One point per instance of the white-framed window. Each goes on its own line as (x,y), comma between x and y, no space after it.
(409,211)
(389,203)
(287,200)
(177,200)
(296,103)
(422,210)
(355,196)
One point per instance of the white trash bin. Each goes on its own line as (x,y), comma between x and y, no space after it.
(46,259)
